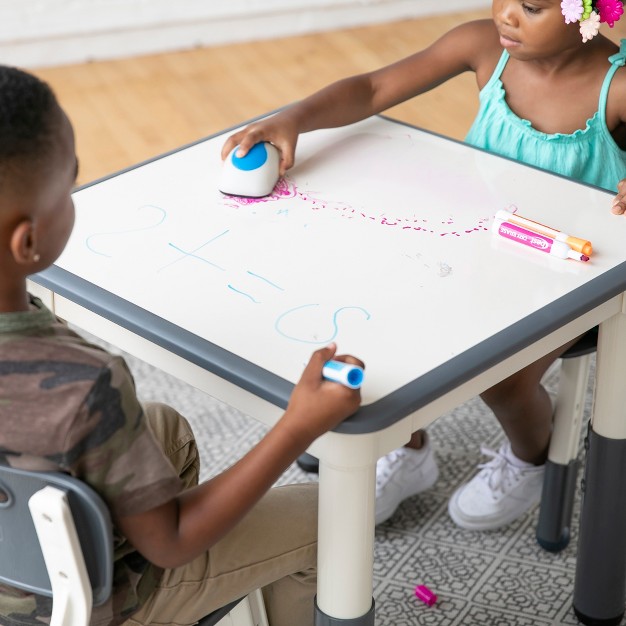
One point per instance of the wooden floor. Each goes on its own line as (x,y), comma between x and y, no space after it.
(126,111)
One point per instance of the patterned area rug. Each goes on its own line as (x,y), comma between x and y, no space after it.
(496,578)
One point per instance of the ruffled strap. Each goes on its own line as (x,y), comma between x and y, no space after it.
(617,60)
(494,79)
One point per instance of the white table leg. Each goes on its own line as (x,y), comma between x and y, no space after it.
(346,544)
(609,412)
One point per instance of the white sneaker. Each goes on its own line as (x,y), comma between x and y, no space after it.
(500,493)
(401,474)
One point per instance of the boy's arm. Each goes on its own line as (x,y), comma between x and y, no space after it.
(182,529)
(355,98)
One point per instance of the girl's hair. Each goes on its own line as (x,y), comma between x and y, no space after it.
(28,121)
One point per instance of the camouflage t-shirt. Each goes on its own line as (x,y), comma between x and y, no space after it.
(67,405)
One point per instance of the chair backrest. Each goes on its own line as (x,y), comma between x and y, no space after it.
(25,498)
(22,562)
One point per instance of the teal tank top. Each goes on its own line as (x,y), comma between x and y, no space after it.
(589,155)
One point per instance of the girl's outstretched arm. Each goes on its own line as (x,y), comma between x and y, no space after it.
(355,98)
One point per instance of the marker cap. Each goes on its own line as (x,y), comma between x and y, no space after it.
(425,595)
(580,245)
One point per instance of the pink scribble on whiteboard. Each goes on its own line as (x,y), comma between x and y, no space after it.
(286,188)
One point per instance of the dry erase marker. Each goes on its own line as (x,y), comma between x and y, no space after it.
(538,242)
(344,373)
(575,243)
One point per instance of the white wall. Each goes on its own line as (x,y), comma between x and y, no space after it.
(52,32)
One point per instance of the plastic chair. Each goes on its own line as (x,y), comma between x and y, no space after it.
(559,483)
(56,541)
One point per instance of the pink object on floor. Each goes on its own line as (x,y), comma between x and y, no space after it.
(425,595)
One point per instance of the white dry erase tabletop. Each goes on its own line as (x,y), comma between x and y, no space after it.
(379,239)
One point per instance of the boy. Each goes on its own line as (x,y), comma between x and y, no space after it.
(181,549)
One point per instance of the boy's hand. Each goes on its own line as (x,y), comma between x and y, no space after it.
(278,130)
(619,202)
(318,405)
(177,531)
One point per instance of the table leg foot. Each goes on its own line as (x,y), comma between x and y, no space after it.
(590,621)
(557,503)
(321,619)
(599,589)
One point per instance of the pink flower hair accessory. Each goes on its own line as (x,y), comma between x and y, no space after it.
(610,11)
(590,13)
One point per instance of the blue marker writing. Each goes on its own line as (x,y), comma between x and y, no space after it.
(344,373)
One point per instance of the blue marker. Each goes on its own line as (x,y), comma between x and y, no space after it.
(344,373)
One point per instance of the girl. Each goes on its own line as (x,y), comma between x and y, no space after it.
(552,95)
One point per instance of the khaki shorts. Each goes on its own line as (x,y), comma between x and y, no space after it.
(273,548)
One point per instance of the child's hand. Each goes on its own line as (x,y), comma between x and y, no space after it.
(318,405)
(278,130)
(619,202)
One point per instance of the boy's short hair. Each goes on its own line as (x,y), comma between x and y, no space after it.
(28,121)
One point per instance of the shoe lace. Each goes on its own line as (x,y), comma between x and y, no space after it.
(386,467)
(499,473)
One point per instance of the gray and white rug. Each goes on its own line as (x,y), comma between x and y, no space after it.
(496,578)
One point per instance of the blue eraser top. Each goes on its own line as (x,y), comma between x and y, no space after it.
(255,157)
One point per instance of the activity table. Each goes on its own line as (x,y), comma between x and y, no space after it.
(379,239)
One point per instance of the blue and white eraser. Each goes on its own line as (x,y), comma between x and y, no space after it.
(253,175)
(344,373)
